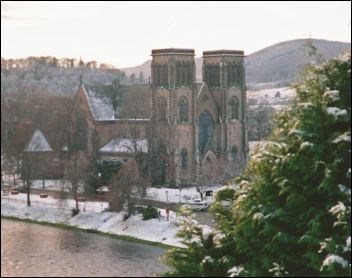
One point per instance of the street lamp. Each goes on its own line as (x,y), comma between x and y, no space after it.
(99,185)
(178,179)
(165,174)
(100,192)
(167,210)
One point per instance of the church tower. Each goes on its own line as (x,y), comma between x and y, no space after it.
(223,72)
(173,87)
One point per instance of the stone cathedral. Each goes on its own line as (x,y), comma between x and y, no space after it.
(199,130)
(192,132)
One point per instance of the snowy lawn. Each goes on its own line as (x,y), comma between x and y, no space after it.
(173,195)
(54,185)
(50,185)
(158,194)
(51,202)
(111,222)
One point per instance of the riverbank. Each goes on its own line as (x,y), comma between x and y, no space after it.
(154,232)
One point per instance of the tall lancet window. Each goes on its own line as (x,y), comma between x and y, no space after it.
(234,108)
(184,158)
(183,105)
(162,108)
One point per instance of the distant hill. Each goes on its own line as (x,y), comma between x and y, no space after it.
(273,66)
(281,63)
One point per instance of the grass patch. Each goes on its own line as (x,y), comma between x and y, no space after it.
(75,228)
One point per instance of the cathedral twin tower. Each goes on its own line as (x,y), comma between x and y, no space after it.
(199,130)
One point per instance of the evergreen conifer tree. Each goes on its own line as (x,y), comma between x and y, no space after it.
(291,213)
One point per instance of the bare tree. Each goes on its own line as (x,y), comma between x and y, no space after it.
(122,186)
(29,165)
(138,114)
(78,165)
(75,173)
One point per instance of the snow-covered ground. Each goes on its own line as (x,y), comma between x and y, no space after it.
(172,195)
(111,222)
(50,202)
(55,185)
(158,194)
(50,185)
(277,97)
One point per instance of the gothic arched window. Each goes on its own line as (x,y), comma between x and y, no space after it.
(162,108)
(81,130)
(234,153)
(234,108)
(189,79)
(164,75)
(230,75)
(213,75)
(183,105)
(184,158)
(206,131)
(156,74)
(134,131)
(184,74)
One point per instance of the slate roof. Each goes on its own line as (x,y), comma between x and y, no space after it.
(102,108)
(99,104)
(38,143)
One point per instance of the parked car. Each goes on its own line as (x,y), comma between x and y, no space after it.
(198,204)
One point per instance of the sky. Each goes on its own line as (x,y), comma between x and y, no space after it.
(124,33)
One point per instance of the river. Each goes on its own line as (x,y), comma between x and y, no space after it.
(37,250)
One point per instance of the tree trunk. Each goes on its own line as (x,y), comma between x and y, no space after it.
(28,190)
(76,198)
(144,190)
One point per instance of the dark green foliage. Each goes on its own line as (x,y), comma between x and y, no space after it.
(226,193)
(202,257)
(74,212)
(113,92)
(107,168)
(150,212)
(291,215)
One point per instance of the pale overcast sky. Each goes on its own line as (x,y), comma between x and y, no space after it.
(123,33)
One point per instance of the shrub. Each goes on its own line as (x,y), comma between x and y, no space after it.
(150,212)
(74,212)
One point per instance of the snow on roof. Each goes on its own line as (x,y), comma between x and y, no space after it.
(38,143)
(128,120)
(200,88)
(99,104)
(125,146)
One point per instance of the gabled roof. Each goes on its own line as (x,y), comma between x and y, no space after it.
(125,146)
(99,104)
(38,143)
(203,87)
(102,109)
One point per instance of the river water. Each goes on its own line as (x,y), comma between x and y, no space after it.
(36,250)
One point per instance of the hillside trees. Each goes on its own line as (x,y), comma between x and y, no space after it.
(54,76)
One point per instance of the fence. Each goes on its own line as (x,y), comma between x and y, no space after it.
(64,204)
